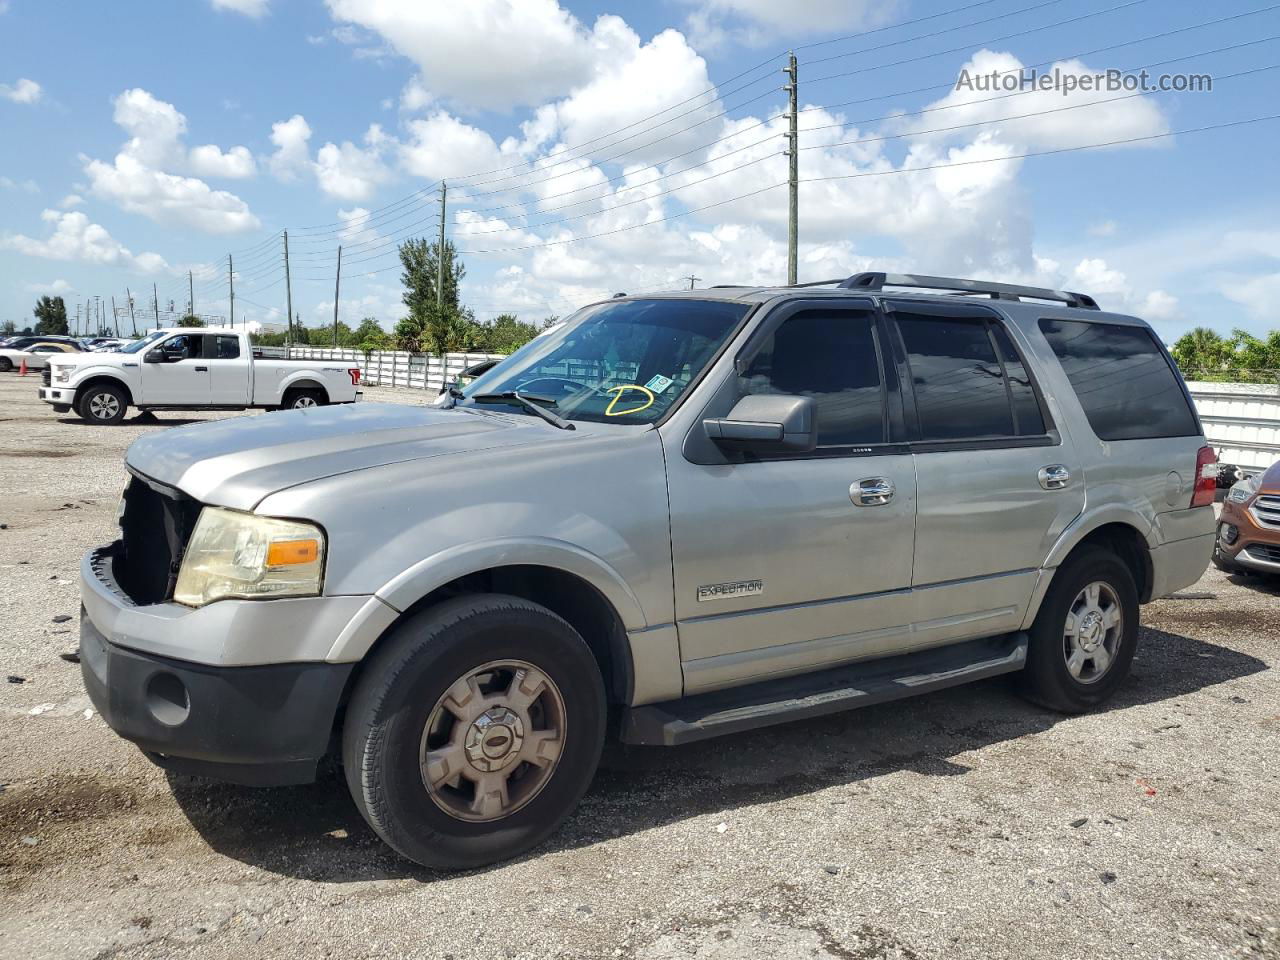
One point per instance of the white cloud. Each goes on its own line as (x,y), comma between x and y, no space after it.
(75,238)
(24,91)
(441,145)
(250,8)
(353,173)
(209,161)
(1259,295)
(355,226)
(70,200)
(1112,289)
(1077,119)
(137,181)
(486,53)
(57,287)
(1107,228)
(415,95)
(26,186)
(292,154)
(714,23)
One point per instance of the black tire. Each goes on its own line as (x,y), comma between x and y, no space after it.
(103,404)
(398,692)
(1047,680)
(5,364)
(304,399)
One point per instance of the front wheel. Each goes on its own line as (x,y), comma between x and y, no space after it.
(5,364)
(104,405)
(1085,635)
(474,731)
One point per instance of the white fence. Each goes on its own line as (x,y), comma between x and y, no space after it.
(391,368)
(1241,421)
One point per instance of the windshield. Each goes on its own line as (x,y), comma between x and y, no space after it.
(623,362)
(142,344)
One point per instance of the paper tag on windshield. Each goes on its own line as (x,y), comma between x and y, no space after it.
(659,383)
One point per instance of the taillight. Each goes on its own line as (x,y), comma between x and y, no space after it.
(355,376)
(1206,485)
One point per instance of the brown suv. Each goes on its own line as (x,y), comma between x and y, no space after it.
(1249,528)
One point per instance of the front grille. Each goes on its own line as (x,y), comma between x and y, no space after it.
(46,376)
(1266,510)
(154,530)
(1264,552)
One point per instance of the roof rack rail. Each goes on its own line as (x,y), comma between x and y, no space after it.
(997,291)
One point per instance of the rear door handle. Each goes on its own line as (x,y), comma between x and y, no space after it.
(871,492)
(205,369)
(1054,477)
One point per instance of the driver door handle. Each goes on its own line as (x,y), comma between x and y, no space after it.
(872,492)
(205,369)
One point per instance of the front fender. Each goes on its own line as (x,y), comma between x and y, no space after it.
(438,569)
(94,371)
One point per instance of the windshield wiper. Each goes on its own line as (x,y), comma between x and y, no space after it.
(531,402)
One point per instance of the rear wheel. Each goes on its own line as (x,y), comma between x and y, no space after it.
(1085,635)
(303,399)
(5,364)
(474,731)
(103,404)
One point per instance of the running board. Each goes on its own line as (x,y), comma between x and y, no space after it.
(812,695)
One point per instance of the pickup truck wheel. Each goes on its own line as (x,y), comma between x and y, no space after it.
(103,404)
(474,731)
(5,364)
(1085,635)
(302,400)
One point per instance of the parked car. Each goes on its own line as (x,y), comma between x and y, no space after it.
(1249,526)
(36,353)
(104,344)
(192,368)
(674,517)
(471,373)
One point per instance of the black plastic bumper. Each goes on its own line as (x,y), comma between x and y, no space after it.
(260,726)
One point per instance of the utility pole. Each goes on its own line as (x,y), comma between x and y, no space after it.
(337,281)
(231,279)
(692,280)
(77,319)
(191,295)
(440,255)
(132,319)
(793,171)
(155,299)
(288,292)
(115,317)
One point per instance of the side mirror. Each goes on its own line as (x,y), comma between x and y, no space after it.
(154,356)
(765,422)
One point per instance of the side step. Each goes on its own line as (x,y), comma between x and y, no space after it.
(830,691)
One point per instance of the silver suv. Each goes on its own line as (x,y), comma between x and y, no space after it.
(672,517)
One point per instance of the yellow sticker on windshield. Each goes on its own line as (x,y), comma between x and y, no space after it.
(617,395)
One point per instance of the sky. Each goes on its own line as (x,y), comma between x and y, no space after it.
(590,148)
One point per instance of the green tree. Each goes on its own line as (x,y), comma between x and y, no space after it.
(191,320)
(51,316)
(1201,349)
(8,327)
(434,324)
(370,336)
(505,333)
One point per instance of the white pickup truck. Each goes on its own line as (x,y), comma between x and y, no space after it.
(191,368)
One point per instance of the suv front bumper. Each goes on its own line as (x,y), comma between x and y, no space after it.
(260,726)
(258,723)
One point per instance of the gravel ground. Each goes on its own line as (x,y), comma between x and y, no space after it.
(965,824)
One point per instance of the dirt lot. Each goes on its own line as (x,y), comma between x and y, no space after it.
(964,824)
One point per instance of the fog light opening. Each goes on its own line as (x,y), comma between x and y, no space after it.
(167,699)
(1228,534)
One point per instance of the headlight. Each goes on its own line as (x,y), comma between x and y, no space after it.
(1245,489)
(233,554)
(61,374)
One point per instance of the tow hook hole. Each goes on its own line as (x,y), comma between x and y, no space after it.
(167,699)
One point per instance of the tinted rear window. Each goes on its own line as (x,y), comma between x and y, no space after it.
(1125,383)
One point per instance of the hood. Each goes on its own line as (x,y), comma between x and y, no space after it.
(237,462)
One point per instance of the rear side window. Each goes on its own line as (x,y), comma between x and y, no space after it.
(1125,383)
(829,355)
(968,380)
(222,347)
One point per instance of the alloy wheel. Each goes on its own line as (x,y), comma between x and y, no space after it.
(1092,632)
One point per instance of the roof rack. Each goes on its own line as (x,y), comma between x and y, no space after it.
(997,291)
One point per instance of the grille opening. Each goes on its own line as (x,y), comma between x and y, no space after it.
(154,530)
